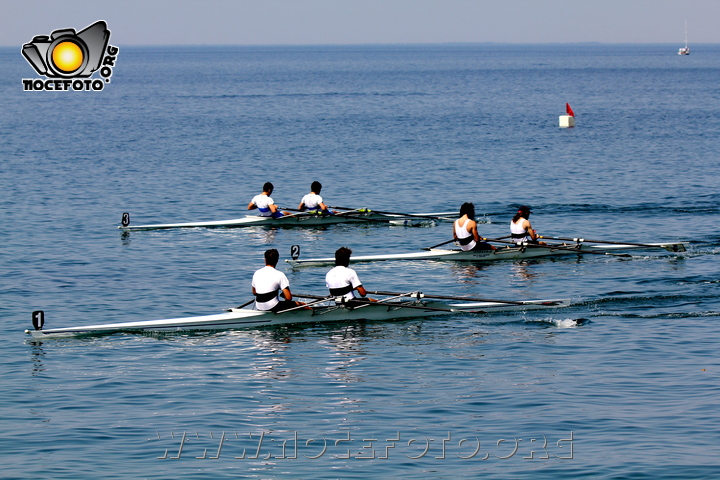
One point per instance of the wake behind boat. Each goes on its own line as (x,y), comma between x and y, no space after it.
(301,219)
(506,252)
(321,310)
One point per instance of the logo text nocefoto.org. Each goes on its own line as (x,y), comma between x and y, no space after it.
(67,59)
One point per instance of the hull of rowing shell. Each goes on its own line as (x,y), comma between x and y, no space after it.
(502,253)
(246,318)
(301,220)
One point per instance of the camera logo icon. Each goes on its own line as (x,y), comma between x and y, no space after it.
(68,54)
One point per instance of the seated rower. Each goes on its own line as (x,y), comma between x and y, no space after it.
(520,229)
(465,230)
(313,200)
(265,204)
(271,287)
(343,281)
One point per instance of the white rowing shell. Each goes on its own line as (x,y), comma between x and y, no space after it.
(248,318)
(298,220)
(502,253)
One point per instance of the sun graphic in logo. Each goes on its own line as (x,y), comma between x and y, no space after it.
(67,56)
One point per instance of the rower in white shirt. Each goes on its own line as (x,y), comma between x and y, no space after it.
(271,287)
(313,200)
(265,204)
(521,230)
(343,281)
(465,230)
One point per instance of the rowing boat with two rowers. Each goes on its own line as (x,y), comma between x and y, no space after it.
(321,309)
(310,218)
(506,251)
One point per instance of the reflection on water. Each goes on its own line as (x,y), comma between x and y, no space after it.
(347,346)
(522,275)
(313,234)
(324,359)
(37,353)
(468,272)
(270,360)
(262,234)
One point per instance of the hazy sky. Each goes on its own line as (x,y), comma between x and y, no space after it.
(271,22)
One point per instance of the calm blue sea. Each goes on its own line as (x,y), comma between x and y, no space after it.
(191,133)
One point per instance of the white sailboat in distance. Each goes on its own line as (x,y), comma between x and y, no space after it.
(685,50)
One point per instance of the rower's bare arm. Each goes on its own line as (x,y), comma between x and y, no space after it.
(301,207)
(473,230)
(286,293)
(273,208)
(361,290)
(251,206)
(529,229)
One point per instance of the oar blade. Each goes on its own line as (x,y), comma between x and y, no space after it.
(675,247)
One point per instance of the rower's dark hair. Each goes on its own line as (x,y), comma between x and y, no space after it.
(316,187)
(523,212)
(271,257)
(468,209)
(342,256)
(268,187)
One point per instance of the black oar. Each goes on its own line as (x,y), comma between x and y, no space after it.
(316,297)
(454,239)
(385,302)
(306,305)
(671,247)
(418,215)
(241,306)
(305,213)
(368,303)
(464,299)
(362,301)
(350,214)
(439,244)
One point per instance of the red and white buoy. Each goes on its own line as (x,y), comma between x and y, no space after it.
(567,121)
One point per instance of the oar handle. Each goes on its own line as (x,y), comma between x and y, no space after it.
(499,239)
